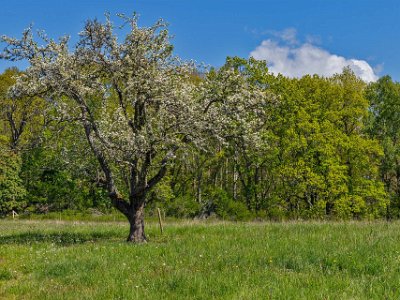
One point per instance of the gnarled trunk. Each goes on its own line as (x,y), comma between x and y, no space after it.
(136,225)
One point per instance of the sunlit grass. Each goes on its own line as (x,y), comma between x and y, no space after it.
(195,260)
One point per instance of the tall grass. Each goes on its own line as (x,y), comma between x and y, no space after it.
(194,260)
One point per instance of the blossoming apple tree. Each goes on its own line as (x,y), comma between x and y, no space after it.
(139,106)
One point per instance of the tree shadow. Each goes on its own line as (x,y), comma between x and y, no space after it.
(59,238)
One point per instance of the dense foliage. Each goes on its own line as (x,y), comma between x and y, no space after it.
(131,122)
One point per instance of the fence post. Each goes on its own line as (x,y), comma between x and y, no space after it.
(159,220)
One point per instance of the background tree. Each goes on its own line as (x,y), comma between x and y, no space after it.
(325,163)
(23,118)
(384,97)
(12,190)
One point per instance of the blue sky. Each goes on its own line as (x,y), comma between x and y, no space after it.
(296,37)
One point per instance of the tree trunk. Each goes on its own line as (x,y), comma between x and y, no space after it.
(136,225)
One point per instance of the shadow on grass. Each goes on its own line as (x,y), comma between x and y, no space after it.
(60,238)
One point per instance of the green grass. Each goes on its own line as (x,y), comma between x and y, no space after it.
(192,260)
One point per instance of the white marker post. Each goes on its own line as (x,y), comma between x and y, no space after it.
(160,220)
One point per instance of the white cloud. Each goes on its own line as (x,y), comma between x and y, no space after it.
(313,39)
(288,35)
(296,61)
(378,68)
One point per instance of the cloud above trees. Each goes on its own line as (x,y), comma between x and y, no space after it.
(294,59)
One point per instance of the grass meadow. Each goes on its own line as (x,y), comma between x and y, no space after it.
(200,260)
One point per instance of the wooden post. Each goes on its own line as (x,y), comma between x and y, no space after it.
(159,220)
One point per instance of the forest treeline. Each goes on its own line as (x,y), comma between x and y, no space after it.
(328,147)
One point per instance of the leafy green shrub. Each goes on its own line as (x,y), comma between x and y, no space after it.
(184,206)
(317,211)
(276,209)
(226,208)
(12,191)
(162,196)
(350,206)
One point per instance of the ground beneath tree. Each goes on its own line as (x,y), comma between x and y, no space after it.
(199,260)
